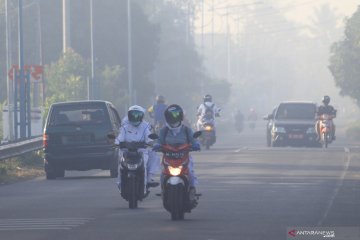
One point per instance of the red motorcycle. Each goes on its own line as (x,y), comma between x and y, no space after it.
(326,129)
(175,183)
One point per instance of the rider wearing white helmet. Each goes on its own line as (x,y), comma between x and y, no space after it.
(135,129)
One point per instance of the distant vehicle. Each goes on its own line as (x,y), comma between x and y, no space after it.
(75,137)
(269,125)
(292,124)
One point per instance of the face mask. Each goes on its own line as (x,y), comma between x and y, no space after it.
(175,125)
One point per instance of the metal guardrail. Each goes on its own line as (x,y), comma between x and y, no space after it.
(18,148)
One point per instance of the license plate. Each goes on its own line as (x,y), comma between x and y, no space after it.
(76,139)
(296,136)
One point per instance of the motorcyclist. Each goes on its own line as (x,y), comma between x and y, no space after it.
(325,109)
(175,132)
(252,118)
(156,111)
(135,129)
(239,120)
(206,110)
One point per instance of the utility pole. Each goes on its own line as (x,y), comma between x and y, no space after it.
(21,78)
(66,25)
(212,23)
(130,80)
(93,89)
(10,84)
(202,42)
(228,67)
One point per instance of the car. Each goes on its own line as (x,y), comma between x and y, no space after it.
(269,124)
(292,123)
(75,137)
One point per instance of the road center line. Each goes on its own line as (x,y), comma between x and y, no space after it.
(337,188)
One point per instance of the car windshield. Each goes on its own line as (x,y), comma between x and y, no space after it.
(77,114)
(296,111)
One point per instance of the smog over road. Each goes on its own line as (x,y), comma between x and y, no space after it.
(272,85)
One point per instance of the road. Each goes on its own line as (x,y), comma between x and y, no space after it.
(249,192)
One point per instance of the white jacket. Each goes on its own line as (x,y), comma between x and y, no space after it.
(130,133)
(202,109)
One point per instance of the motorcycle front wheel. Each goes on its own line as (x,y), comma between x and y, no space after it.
(176,202)
(325,140)
(132,193)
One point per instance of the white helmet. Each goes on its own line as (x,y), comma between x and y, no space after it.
(135,115)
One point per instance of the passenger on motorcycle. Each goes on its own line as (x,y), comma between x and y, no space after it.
(325,109)
(206,110)
(157,110)
(175,132)
(135,129)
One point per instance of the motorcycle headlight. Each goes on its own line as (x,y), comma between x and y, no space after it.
(132,166)
(208,128)
(175,171)
(310,130)
(278,130)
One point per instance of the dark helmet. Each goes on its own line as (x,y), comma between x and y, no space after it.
(207,98)
(136,115)
(160,99)
(326,100)
(174,115)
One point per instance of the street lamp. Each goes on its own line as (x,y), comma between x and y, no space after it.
(130,80)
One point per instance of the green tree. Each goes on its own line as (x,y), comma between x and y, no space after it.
(345,59)
(66,79)
(112,82)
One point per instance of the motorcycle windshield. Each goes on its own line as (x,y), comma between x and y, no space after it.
(132,157)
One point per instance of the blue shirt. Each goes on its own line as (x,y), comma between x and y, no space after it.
(180,138)
(159,110)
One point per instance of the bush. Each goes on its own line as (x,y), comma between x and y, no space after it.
(353,131)
(23,167)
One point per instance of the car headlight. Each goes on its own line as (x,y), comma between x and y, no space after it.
(310,130)
(175,171)
(278,130)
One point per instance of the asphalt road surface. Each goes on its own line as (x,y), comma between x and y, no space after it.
(248,191)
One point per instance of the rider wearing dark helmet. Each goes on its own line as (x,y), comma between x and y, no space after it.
(325,109)
(175,132)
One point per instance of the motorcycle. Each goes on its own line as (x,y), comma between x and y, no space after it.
(326,129)
(239,125)
(208,137)
(176,195)
(133,187)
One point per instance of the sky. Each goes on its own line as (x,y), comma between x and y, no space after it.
(300,11)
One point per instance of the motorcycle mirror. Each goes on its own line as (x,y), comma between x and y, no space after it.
(111,136)
(197,134)
(153,136)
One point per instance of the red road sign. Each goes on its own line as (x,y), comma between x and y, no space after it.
(36,72)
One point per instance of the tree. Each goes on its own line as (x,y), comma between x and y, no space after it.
(345,59)
(66,79)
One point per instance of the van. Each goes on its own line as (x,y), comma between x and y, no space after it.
(75,137)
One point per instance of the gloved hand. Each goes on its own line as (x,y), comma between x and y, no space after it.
(195,146)
(156,147)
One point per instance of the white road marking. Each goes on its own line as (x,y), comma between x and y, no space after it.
(41,223)
(337,189)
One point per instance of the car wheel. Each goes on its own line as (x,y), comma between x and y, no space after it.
(50,172)
(113,173)
(268,139)
(274,144)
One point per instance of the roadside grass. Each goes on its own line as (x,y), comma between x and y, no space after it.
(24,167)
(353,131)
